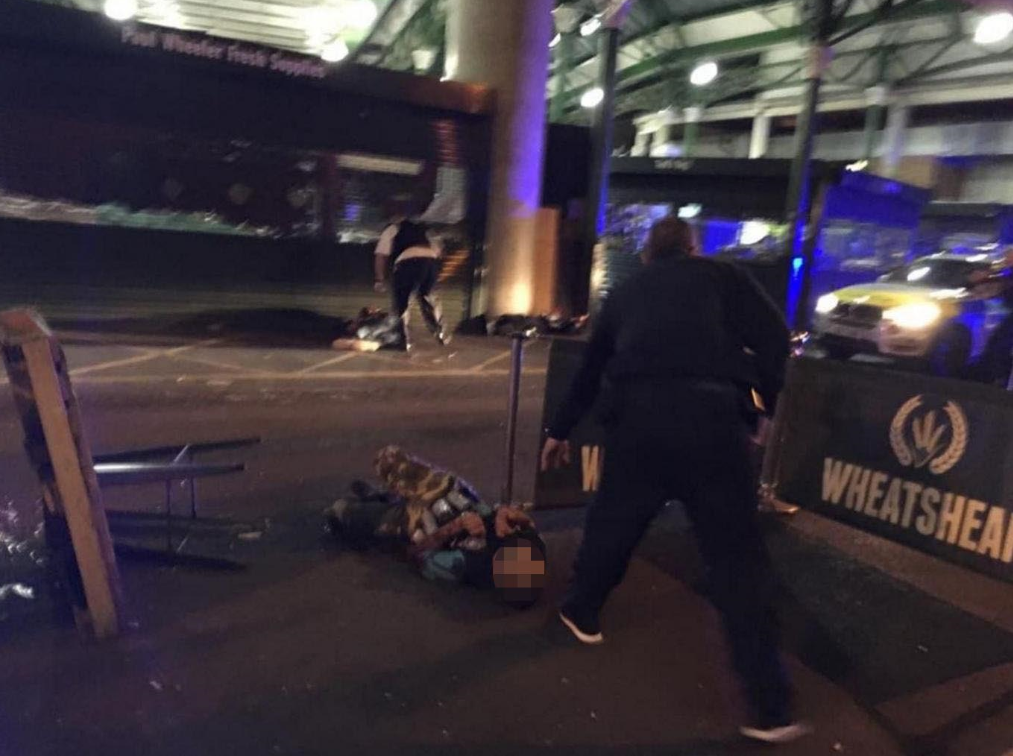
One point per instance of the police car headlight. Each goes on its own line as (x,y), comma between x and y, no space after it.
(914,316)
(827,304)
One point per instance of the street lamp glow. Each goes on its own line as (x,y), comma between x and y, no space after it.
(362,13)
(590,26)
(334,52)
(994,28)
(592,98)
(704,74)
(120,10)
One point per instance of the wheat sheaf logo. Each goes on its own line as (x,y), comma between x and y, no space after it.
(923,437)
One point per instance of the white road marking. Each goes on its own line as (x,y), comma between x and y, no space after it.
(307,377)
(490,361)
(332,361)
(137,359)
(221,365)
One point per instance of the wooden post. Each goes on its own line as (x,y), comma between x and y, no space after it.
(59,451)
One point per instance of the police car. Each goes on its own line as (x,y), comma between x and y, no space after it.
(939,310)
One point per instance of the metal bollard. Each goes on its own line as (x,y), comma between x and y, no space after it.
(516,367)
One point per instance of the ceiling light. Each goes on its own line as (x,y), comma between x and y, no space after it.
(120,10)
(423,59)
(556,40)
(362,14)
(994,28)
(566,17)
(592,98)
(166,12)
(323,20)
(704,74)
(590,26)
(335,51)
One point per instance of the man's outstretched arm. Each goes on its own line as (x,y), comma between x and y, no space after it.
(584,389)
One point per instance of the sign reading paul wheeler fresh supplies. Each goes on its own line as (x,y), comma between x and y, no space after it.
(920,460)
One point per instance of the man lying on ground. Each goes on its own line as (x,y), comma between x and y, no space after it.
(442,526)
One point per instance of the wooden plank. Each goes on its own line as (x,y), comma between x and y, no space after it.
(46,402)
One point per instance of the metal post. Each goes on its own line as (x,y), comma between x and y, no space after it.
(691,130)
(876,98)
(820,21)
(516,367)
(759,138)
(893,147)
(168,515)
(601,151)
(565,63)
(873,125)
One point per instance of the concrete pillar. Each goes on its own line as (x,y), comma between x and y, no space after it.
(642,144)
(692,129)
(875,98)
(663,145)
(662,136)
(506,45)
(759,138)
(893,139)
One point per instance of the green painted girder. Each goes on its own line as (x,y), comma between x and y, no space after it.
(910,11)
(425,27)
(653,97)
(1006,56)
(643,35)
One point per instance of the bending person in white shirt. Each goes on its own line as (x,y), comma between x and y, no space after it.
(416,263)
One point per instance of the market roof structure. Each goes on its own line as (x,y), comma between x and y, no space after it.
(923,50)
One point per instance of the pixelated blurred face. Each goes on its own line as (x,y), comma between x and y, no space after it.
(519,572)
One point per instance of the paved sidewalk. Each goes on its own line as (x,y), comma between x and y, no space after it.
(106,359)
(315,650)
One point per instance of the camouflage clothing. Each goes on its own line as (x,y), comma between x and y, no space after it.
(419,508)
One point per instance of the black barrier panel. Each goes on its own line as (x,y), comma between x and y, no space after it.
(920,460)
(575,484)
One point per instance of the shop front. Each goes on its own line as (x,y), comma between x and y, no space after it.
(180,167)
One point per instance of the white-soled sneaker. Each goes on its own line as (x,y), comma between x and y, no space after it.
(585,632)
(782,734)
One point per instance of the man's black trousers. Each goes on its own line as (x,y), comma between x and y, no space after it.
(418,275)
(688,441)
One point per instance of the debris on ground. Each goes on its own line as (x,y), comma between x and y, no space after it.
(371,331)
(17,589)
(507,325)
(543,325)
(253,535)
(476,326)
(156,685)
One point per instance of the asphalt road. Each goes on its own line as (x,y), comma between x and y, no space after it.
(312,649)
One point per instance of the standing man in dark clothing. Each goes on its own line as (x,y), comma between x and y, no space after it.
(416,271)
(671,344)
